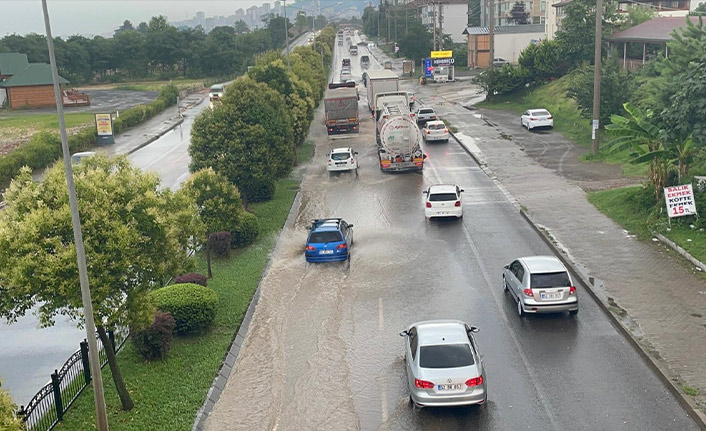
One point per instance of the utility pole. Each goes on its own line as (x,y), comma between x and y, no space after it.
(379,13)
(286,33)
(406,29)
(597,78)
(94,362)
(395,23)
(434,18)
(491,35)
(441,26)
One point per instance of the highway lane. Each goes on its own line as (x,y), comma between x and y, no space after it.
(323,350)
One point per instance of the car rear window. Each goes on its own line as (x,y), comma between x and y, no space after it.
(426,111)
(326,236)
(541,113)
(550,279)
(445,356)
(340,156)
(442,197)
(436,126)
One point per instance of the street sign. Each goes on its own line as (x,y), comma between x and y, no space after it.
(441,54)
(428,68)
(104,128)
(443,61)
(397,48)
(680,200)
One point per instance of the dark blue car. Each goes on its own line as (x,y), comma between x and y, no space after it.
(329,240)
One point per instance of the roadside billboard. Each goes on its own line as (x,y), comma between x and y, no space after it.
(441,54)
(680,200)
(104,128)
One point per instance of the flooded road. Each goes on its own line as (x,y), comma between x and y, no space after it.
(323,350)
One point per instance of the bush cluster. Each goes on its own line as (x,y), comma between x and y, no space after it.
(246,230)
(154,341)
(8,411)
(193,306)
(220,242)
(192,278)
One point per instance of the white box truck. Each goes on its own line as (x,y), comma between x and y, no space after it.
(380,81)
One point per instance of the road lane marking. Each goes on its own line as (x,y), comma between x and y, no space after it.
(534,380)
(381,317)
(384,402)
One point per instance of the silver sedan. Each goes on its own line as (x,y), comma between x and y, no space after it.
(444,367)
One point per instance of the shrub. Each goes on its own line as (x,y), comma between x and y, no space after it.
(246,230)
(504,80)
(259,190)
(219,242)
(8,411)
(154,341)
(192,306)
(192,278)
(217,198)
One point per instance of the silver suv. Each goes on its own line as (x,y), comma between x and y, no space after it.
(540,284)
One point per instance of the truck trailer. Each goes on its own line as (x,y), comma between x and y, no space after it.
(399,148)
(341,108)
(380,81)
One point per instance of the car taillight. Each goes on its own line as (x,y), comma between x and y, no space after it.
(428,132)
(411,115)
(475,381)
(352,160)
(342,246)
(310,248)
(457,204)
(528,292)
(572,290)
(423,384)
(428,204)
(446,130)
(532,119)
(549,117)
(419,163)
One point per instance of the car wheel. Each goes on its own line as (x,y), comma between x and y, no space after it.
(573,312)
(520,310)
(505,289)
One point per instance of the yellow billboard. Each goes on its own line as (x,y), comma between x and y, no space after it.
(104,125)
(441,54)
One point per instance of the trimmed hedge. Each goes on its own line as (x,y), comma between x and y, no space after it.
(246,230)
(45,148)
(192,306)
(191,277)
(154,341)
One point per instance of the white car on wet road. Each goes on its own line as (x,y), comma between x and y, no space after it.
(435,131)
(443,200)
(444,367)
(342,159)
(533,118)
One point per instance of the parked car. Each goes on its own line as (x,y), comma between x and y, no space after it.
(216,92)
(329,240)
(533,118)
(444,366)
(435,131)
(77,157)
(425,114)
(443,200)
(499,62)
(342,159)
(540,284)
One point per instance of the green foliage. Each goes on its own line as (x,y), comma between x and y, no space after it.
(246,231)
(578,29)
(542,61)
(220,243)
(154,341)
(502,80)
(191,277)
(217,199)
(247,138)
(699,10)
(8,412)
(192,306)
(617,87)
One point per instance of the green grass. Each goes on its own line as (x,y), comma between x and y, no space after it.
(567,120)
(182,84)
(694,392)
(18,124)
(631,209)
(168,393)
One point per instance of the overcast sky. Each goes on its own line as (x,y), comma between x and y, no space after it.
(92,17)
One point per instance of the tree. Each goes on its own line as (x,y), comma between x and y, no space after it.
(518,14)
(699,10)
(542,60)
(217,199)
(127,25)
(578,28)
(301,22)
(130,53)
(136,237)
(241,27)
(8,413)
(163,44)
(142,28)
(246,138)
(417,43)
(370,21)
(474,12)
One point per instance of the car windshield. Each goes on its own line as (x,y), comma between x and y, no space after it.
(216,89)
(340,156)
(445,356)
(436,126)
(541,113)
(442,197)
(550,279)
(324,237)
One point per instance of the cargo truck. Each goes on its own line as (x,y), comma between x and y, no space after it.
(380,81)
(341,108)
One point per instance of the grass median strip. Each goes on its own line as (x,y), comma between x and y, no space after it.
(169,393)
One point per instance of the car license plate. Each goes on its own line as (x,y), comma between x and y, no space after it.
(556,295)
(341,164)
(442,213)
(449,387)
(326,252)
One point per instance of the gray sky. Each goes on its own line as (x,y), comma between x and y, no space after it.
(91,17)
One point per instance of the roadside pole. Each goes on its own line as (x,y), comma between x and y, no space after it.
(97,379)
(286,33)
(597,78)
(491,33)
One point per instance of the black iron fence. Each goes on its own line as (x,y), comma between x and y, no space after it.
(47,407)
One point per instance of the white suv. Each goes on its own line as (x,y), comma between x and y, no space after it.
(443,200)
(342,159)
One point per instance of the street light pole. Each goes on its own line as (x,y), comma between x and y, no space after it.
(286,33)
(99,396)
(597,78)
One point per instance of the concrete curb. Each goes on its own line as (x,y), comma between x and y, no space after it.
(659,369)
(157,136)
(685,254)
(219,383)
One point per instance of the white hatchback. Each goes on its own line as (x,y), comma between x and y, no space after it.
(443,200)
(342,159)
(435,131)
(533,118)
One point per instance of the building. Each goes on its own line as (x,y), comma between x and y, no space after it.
(450,16)
(535,10)
(555,13)
(639,44)
(277,8)
(200,18)
(510,40)
(27,85)
(240,14)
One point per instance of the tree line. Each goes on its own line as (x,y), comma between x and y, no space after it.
(154,49)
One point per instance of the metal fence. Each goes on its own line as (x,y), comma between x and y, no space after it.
(48,406)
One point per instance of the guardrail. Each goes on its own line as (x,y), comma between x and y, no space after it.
(47,407)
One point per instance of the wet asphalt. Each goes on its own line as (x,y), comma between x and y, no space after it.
(323,351)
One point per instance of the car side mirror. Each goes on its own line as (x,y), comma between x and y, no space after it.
(462,190)
(425,191)
(404,333)
(350,225)
(425,156)
(506,266)
(355,152)
(474,329)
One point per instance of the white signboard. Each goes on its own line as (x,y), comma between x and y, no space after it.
(680,200)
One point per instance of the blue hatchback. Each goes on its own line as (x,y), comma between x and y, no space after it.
(329,240)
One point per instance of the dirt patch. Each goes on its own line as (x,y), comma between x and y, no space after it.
(21,137)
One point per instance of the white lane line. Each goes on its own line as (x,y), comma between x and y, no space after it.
(496,293)
(381,317)
(384,402)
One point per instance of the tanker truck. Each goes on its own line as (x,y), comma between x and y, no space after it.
(399,148)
